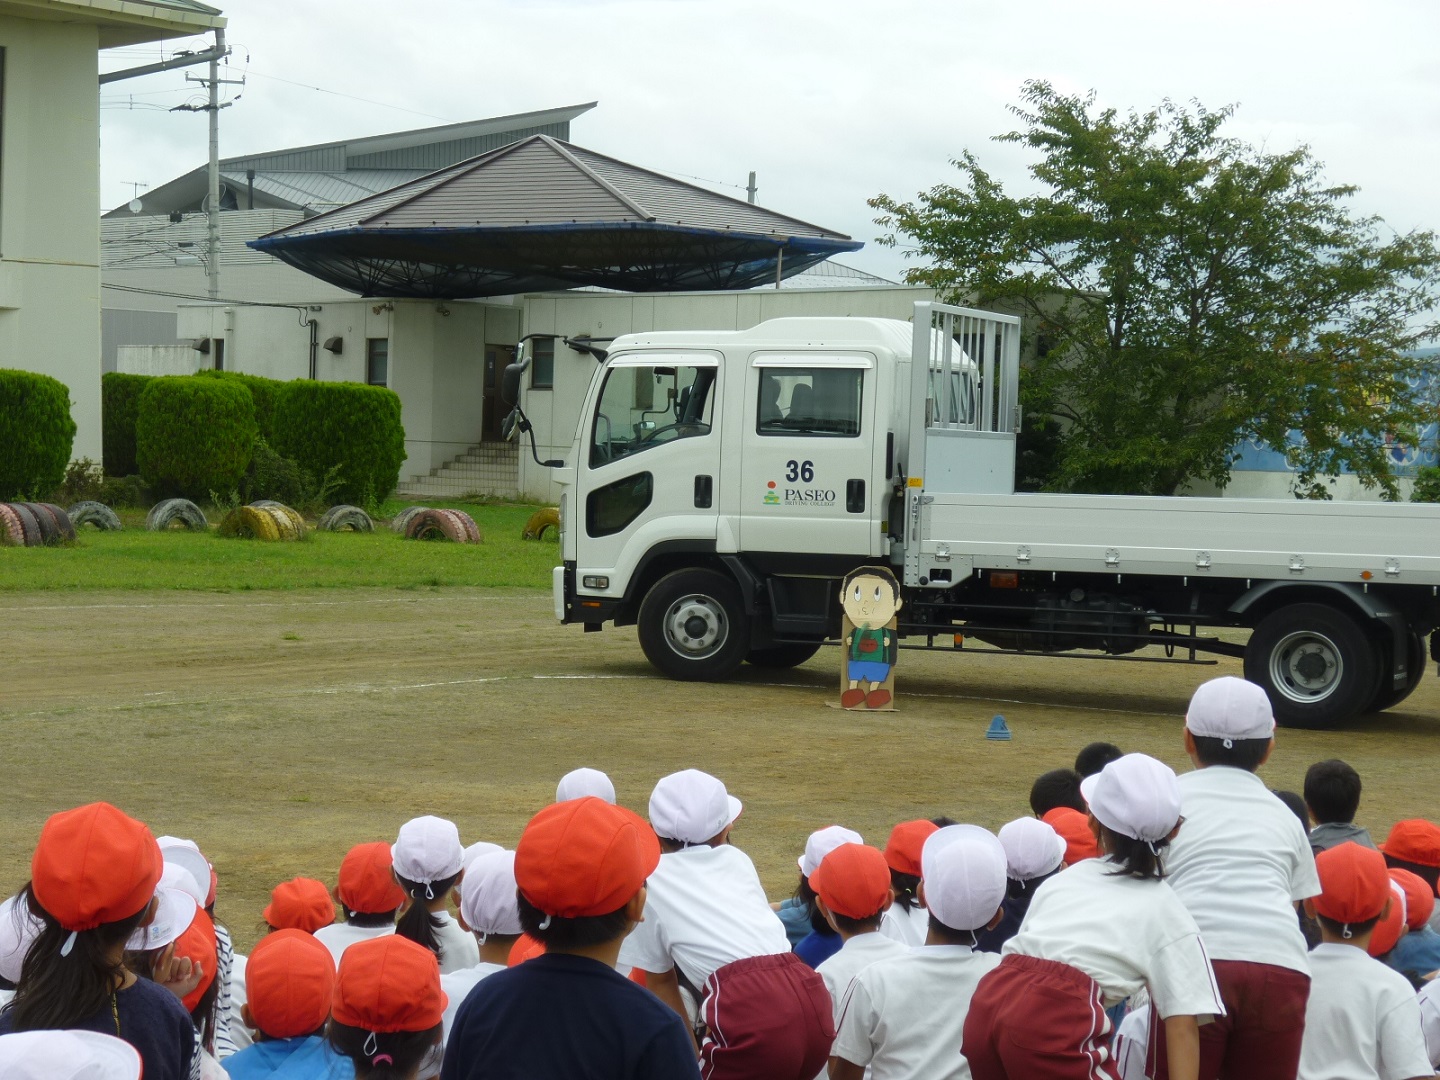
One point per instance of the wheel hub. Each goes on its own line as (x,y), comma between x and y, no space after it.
(1306,666)
(696,626)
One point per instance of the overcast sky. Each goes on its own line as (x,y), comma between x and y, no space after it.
(829,101)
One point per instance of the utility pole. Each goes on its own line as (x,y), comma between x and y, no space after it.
(751,189)
(212,198)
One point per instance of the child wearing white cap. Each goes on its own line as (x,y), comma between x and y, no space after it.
(1094,935)
(822,942)
(67,1055)
(578,783)
(1240,865)
(707,920)
(903,1016)
(428,862)
(1034,853)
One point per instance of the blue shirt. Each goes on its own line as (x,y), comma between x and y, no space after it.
(309,1057)
(815,948)
(561,1017)
(1416,953)
(796,917)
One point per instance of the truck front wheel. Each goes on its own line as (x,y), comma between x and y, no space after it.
(692,626)
(1316,664)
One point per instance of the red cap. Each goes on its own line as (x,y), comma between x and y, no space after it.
(94,865)
(1391,927)
(301,903)
(853,880)
(1353,884)
(902,850)
(1414,841)
(388,984)
(1074,829)
(289,979)
(584,857)
(1419,897)
(199,945)
(367,883)
(525,948)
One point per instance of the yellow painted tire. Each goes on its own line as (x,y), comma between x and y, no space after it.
(548,518)
(250,523)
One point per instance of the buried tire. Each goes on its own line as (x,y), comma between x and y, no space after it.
(11,531)
(787,655)
(1315,663)
(170,512)
(45,521)
(94,513)
(400,523)
(251,523)
(29,527)
(692,626)
(342,517)
(548,518)
(443,525)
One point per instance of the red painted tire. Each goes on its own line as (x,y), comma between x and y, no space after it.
(11,534)
(400,523)
(467,523)
(436,525)
(29,527)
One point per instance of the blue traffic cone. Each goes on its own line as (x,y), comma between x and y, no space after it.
(997,729)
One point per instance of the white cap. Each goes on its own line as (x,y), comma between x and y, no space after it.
(18,930)
(963,871)
(691,807)
(487,895)
(822,842)
(186,855)
(174,912)
(476,850)
(1136,796)
(1230,708)
(578,783)
(1032,849)
(427,849)
(67,1055)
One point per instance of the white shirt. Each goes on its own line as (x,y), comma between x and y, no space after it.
(1362,1021)
(904,1017)
(909,926)
(1124,933)
(705,908)
(1239,862)
(458,948)
(240,1035)
(339,936)
(855,956)
(1132,1044)
(1429,1019)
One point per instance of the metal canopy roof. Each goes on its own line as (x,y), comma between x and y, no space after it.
(546,214)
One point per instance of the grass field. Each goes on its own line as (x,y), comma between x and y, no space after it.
(136,559)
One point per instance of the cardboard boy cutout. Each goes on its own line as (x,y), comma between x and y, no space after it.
(870,597)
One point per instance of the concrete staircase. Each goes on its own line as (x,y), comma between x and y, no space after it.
(490,468)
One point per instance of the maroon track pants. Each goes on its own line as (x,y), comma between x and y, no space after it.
(1033,1019)
(1259,1036)
(768,1018)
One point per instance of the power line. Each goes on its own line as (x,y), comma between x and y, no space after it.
(352,97)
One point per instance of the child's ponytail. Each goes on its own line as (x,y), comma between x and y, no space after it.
(417,923)
(1134,858)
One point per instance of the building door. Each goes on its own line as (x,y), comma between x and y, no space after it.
(493,409)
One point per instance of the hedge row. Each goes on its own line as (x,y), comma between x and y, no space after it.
(37,434)
(197,431)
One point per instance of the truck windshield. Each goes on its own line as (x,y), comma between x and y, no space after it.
(645,407)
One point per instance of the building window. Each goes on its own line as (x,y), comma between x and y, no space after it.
(377,361)
(542,363)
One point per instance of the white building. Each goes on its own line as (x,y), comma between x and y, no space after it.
(50,181)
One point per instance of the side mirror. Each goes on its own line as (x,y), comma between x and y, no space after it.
(510,382)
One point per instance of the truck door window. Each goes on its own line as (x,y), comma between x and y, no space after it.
(820,402)
(642,407)
(611,508)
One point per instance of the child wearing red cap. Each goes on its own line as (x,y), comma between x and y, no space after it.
(291,983)
(852,889)
(1094,935)
(580,870)
(386,1010)
(1240,865)
(906,920)
(1074,828)
(707,921)
(822,942)
(1414,845)
(1362,1019)
(92,884)
(904,1016)
(1417,954)
(369,899)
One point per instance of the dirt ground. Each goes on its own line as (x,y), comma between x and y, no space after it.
(277,729)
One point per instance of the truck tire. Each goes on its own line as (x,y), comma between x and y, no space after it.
(1388,696)
(693,627)
(789,655)
(1316,664)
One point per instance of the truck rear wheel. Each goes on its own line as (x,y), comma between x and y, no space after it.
(1388,696)
(1316,664)
(692,626)
(791,654)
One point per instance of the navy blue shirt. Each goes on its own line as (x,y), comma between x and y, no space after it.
(153,1021)
(561,1017)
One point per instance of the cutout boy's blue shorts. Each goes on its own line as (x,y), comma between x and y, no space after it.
(872,671)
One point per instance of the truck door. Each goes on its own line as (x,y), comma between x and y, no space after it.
(650,463)
(808,472)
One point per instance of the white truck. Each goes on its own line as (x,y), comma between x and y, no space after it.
(722,483)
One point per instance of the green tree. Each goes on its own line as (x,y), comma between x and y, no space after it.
(1187,291)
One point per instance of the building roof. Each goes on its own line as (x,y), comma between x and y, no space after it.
(123,22)
(323,176)
(543,213)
